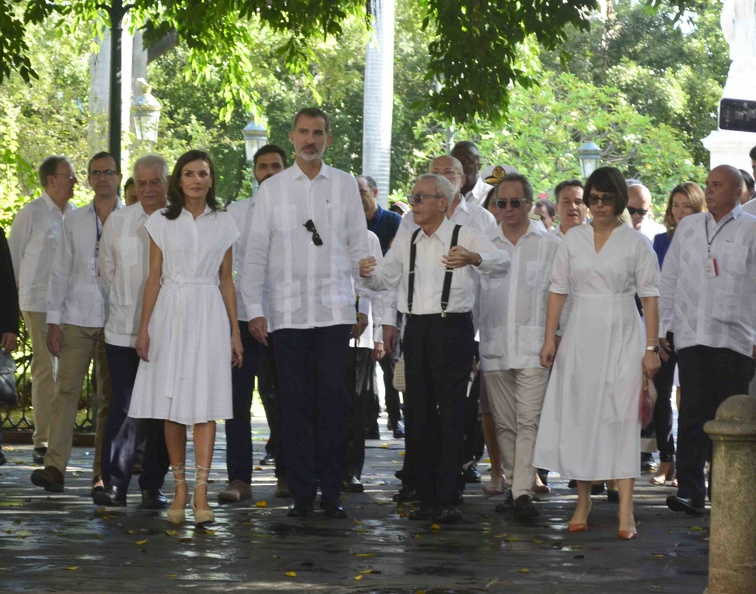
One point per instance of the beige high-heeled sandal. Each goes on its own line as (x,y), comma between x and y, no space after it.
(203,515)
(177,515)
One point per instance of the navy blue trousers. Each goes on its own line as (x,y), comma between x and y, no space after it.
(708,376)
(238,429)
(123,434)
(311,365)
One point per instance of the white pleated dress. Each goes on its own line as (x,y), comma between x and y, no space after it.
(188,376)
(589,427)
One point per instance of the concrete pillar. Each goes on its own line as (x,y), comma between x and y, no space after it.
(732,543)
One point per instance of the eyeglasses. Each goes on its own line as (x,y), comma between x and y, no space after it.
(606,199)
(310,226)
(104,172)
(641,211)
(418,198)
(514,203)
(66,176)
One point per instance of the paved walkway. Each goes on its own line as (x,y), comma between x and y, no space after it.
(62,543)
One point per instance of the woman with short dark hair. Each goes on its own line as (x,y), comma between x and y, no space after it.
(188,335)
(590,427)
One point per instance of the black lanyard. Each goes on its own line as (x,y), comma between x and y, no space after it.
(447,276)
(710,241)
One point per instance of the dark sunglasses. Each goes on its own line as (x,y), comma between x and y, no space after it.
(514,203)
(607,199)
(641,211)
(310,226)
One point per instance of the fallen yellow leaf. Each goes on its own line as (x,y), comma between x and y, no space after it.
(435,526)
(523,570)
(364,554)
(357,578)
(291,574)
(262,503)
(72,568)
(141,542)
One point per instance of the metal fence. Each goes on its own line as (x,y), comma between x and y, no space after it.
(20,420)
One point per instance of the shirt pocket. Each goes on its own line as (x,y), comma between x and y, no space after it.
(734,258)
(286,296)
(530,340)
(534,276)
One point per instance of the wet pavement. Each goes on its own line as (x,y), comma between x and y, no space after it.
(63,543)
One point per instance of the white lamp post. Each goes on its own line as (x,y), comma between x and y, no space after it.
(255,137)
(146,112)
(590,157)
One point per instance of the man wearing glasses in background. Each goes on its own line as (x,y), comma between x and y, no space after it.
(32,245)
(76,321)
(304,242)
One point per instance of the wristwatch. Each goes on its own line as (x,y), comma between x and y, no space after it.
(654,348)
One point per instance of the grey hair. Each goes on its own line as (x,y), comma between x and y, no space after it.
(369,181)
(153,161)
(49,166)
(443,186)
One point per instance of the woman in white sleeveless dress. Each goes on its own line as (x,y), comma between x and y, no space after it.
(590,428)
(188,335)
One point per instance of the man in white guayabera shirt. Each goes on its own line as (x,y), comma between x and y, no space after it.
(512,320)
(75,322)
(34,234)
(304,242)
(123,264)
(708,285)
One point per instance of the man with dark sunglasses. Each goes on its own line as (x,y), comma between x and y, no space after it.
(302,247)
(639,207)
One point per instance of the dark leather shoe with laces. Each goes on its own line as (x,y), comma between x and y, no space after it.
(153,499)
(449,514)
(524,510)
(109,496)
(300,509)
(49,477)
(684,504)
(352,485)
(267,460)
(471,474)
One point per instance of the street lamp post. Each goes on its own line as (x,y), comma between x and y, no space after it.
(146,113)
(590,157)
(255,137)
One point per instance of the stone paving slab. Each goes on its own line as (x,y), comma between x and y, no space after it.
(63,543)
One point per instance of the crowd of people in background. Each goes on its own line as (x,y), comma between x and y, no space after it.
(523,326)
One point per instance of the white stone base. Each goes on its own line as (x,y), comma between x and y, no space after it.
(728,147)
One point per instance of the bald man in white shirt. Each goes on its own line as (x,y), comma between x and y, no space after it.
(708,285)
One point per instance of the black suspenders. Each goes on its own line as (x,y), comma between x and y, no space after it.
(447,276)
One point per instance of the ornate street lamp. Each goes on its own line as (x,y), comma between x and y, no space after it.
(145,110)
(590,157)
(255,137)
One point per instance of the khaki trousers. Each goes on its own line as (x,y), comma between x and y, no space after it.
(515,397)
(80,345)
(42,376)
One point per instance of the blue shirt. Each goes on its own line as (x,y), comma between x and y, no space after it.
(661,245)
(384,224)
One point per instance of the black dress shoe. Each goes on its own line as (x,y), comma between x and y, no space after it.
(49,477)
(507,505)
(524,510)
(448,514)
(372,433)
(109,496)
(300,509)
(38,455)
(153,499)
(405,494)
(684,504)
(598,489)
(352,485)
(398,430)
(423,513)
(267,460)
(612,495)
(334,509)
(471,474)
(572,484)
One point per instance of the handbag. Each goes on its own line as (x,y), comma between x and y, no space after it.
(8,393)
(647,402)
(400,380)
